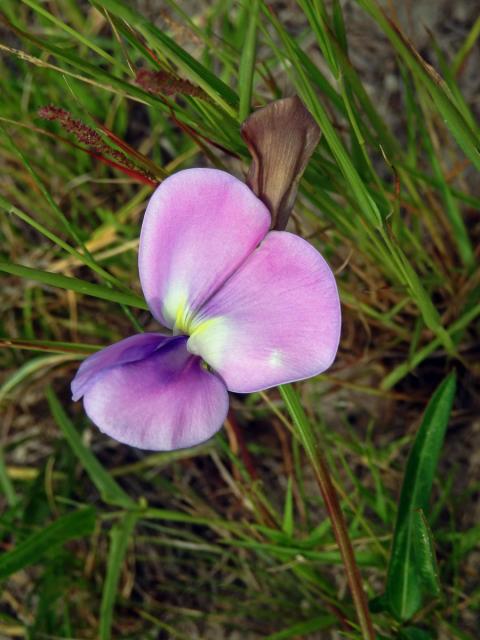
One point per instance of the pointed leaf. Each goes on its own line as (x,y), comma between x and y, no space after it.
(424,552)
(406,571)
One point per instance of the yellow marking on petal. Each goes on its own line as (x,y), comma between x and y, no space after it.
(209,339)
(204,325)
(176,310)
(181,321)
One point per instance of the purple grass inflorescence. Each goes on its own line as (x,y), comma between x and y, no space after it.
(248,308)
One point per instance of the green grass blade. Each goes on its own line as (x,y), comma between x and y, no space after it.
(466,137)
(49,346)
(120,535)
(460,234)
(466,47)
(300,629)
(226,52)
(73,33)
(74,525)
(340,64)
(288,525)
(41,187)
(5,483)
(366,204)
(94,74)
(84,258)
(317,16)
(31,367)
(295,409)
(73,284)
(109,489)
(405,588)
(247,61)
(287,553)
(307,436)
(420,295)
(158,40)
(405,367)
(320,80)
(455,93)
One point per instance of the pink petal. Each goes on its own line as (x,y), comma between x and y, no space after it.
(129,350)
(200,225)
(166,401)
(275,321)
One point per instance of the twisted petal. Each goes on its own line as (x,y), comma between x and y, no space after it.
(276,320)
(164,401)
(131,349)
(200,225)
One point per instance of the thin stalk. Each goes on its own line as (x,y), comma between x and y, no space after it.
(329,494)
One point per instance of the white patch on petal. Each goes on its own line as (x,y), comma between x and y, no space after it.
(276,359)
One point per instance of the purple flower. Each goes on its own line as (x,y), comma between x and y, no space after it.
(249,309)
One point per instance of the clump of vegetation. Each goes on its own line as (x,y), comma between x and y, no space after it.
(101,101)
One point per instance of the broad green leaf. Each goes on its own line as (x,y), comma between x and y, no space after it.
(74,525)
(109,489)
(120,535)
(424,552)
(74,284)
(406,577)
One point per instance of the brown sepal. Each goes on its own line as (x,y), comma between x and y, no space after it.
(281,137)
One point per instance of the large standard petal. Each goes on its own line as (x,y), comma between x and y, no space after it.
(276,320)
(131,349)
(166,401)
(200,225)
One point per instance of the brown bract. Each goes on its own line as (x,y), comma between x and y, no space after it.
(281,137)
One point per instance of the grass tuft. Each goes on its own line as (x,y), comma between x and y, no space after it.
(100,101)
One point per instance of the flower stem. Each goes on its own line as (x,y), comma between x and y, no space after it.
(329,494)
